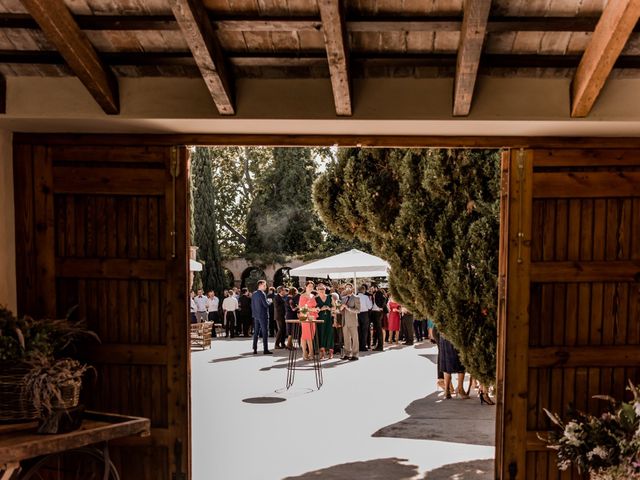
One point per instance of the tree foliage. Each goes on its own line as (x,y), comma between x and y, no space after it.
(205,233)
(281,218)
(433,214)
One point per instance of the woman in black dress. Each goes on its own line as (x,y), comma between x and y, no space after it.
(450,364)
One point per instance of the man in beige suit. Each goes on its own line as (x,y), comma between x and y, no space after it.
(350,309)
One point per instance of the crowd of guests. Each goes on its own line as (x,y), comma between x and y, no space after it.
(332,317)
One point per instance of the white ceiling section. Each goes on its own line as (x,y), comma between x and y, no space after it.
(382,106)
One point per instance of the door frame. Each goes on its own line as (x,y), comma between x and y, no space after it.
(489,142)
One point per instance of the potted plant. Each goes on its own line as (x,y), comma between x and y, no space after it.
(28,352)
(606,447)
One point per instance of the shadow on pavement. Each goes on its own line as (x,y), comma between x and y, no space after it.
(380,469)
(454,420)
(473,470)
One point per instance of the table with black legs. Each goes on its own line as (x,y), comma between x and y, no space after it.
(293,353)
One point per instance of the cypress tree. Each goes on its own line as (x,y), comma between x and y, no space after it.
(433,215)
(204,221)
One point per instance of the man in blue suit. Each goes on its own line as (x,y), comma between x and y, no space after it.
(260,312)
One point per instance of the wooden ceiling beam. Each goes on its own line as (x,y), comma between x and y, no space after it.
(59,26)
(290,24)
(336,42)
(313,59)
(609,38)
(474,27)
(203,43)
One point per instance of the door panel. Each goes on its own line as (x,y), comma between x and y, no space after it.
(104,228)
(571,330)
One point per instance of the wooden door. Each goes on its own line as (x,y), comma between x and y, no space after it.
(104,227)
(571,326)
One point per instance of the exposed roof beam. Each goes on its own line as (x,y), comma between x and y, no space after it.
(63,32)
(313,59)
(474,27)
(3,94)
(609,38)
(199,35)
(354,24)
(335,40)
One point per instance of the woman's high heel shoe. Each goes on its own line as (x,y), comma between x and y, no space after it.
(485,399)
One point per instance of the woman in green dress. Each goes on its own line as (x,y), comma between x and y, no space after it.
(325,330)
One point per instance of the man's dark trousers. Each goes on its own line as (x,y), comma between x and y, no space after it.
(376,321)
(261,325)
(363,328)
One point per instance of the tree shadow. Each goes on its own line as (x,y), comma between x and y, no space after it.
(473,470)
(454,420)
(379,469)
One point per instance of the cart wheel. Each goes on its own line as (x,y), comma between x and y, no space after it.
(79,464)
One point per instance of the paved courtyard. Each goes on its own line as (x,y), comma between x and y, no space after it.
(378,418)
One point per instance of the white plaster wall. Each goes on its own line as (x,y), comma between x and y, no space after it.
(7,224)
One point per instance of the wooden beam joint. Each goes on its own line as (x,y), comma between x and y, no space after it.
(335,39)
(59,26)
(205,48)
(472,34)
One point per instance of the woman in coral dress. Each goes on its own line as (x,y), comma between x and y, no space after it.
(394,320)
(307,299)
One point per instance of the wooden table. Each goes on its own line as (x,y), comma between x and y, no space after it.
(293,353)
(23,443)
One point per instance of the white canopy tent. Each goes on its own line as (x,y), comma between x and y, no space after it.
(195,266)
(351,264)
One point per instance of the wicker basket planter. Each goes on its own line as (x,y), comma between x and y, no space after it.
(14,405)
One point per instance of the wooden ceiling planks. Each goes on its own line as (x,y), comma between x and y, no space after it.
(57,23)
(474,26)
(335,38)
(206,50)
(608,40)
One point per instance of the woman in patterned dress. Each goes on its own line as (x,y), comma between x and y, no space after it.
(308,300)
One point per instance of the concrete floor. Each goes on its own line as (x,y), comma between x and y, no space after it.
(245,427)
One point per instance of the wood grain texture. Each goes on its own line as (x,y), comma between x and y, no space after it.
(515,335)
(609,38)
(61,30)
(199,35)
(333,26)
(578,271)
(586,184)
(587,356)
(474,26)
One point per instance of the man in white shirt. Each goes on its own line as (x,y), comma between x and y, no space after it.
(363,317)
(201,306)
(192,295)
(229,307)
(212,309)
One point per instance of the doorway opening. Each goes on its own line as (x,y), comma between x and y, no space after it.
(281,208)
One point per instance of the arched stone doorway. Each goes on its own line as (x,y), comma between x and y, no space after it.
(250,277)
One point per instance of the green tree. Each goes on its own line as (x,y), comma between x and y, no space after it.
(236,173)
(433,215)
(281,218)
(205,227)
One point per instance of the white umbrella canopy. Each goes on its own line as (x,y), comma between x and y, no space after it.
(195,266)
(351,264)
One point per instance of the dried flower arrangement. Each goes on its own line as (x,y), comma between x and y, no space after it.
(607,447)
(36,377)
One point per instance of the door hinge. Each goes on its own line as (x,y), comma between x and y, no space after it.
(521,174)
(175,162)
(178,474)
(502,288)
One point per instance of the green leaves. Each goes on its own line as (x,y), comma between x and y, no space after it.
(433,214)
